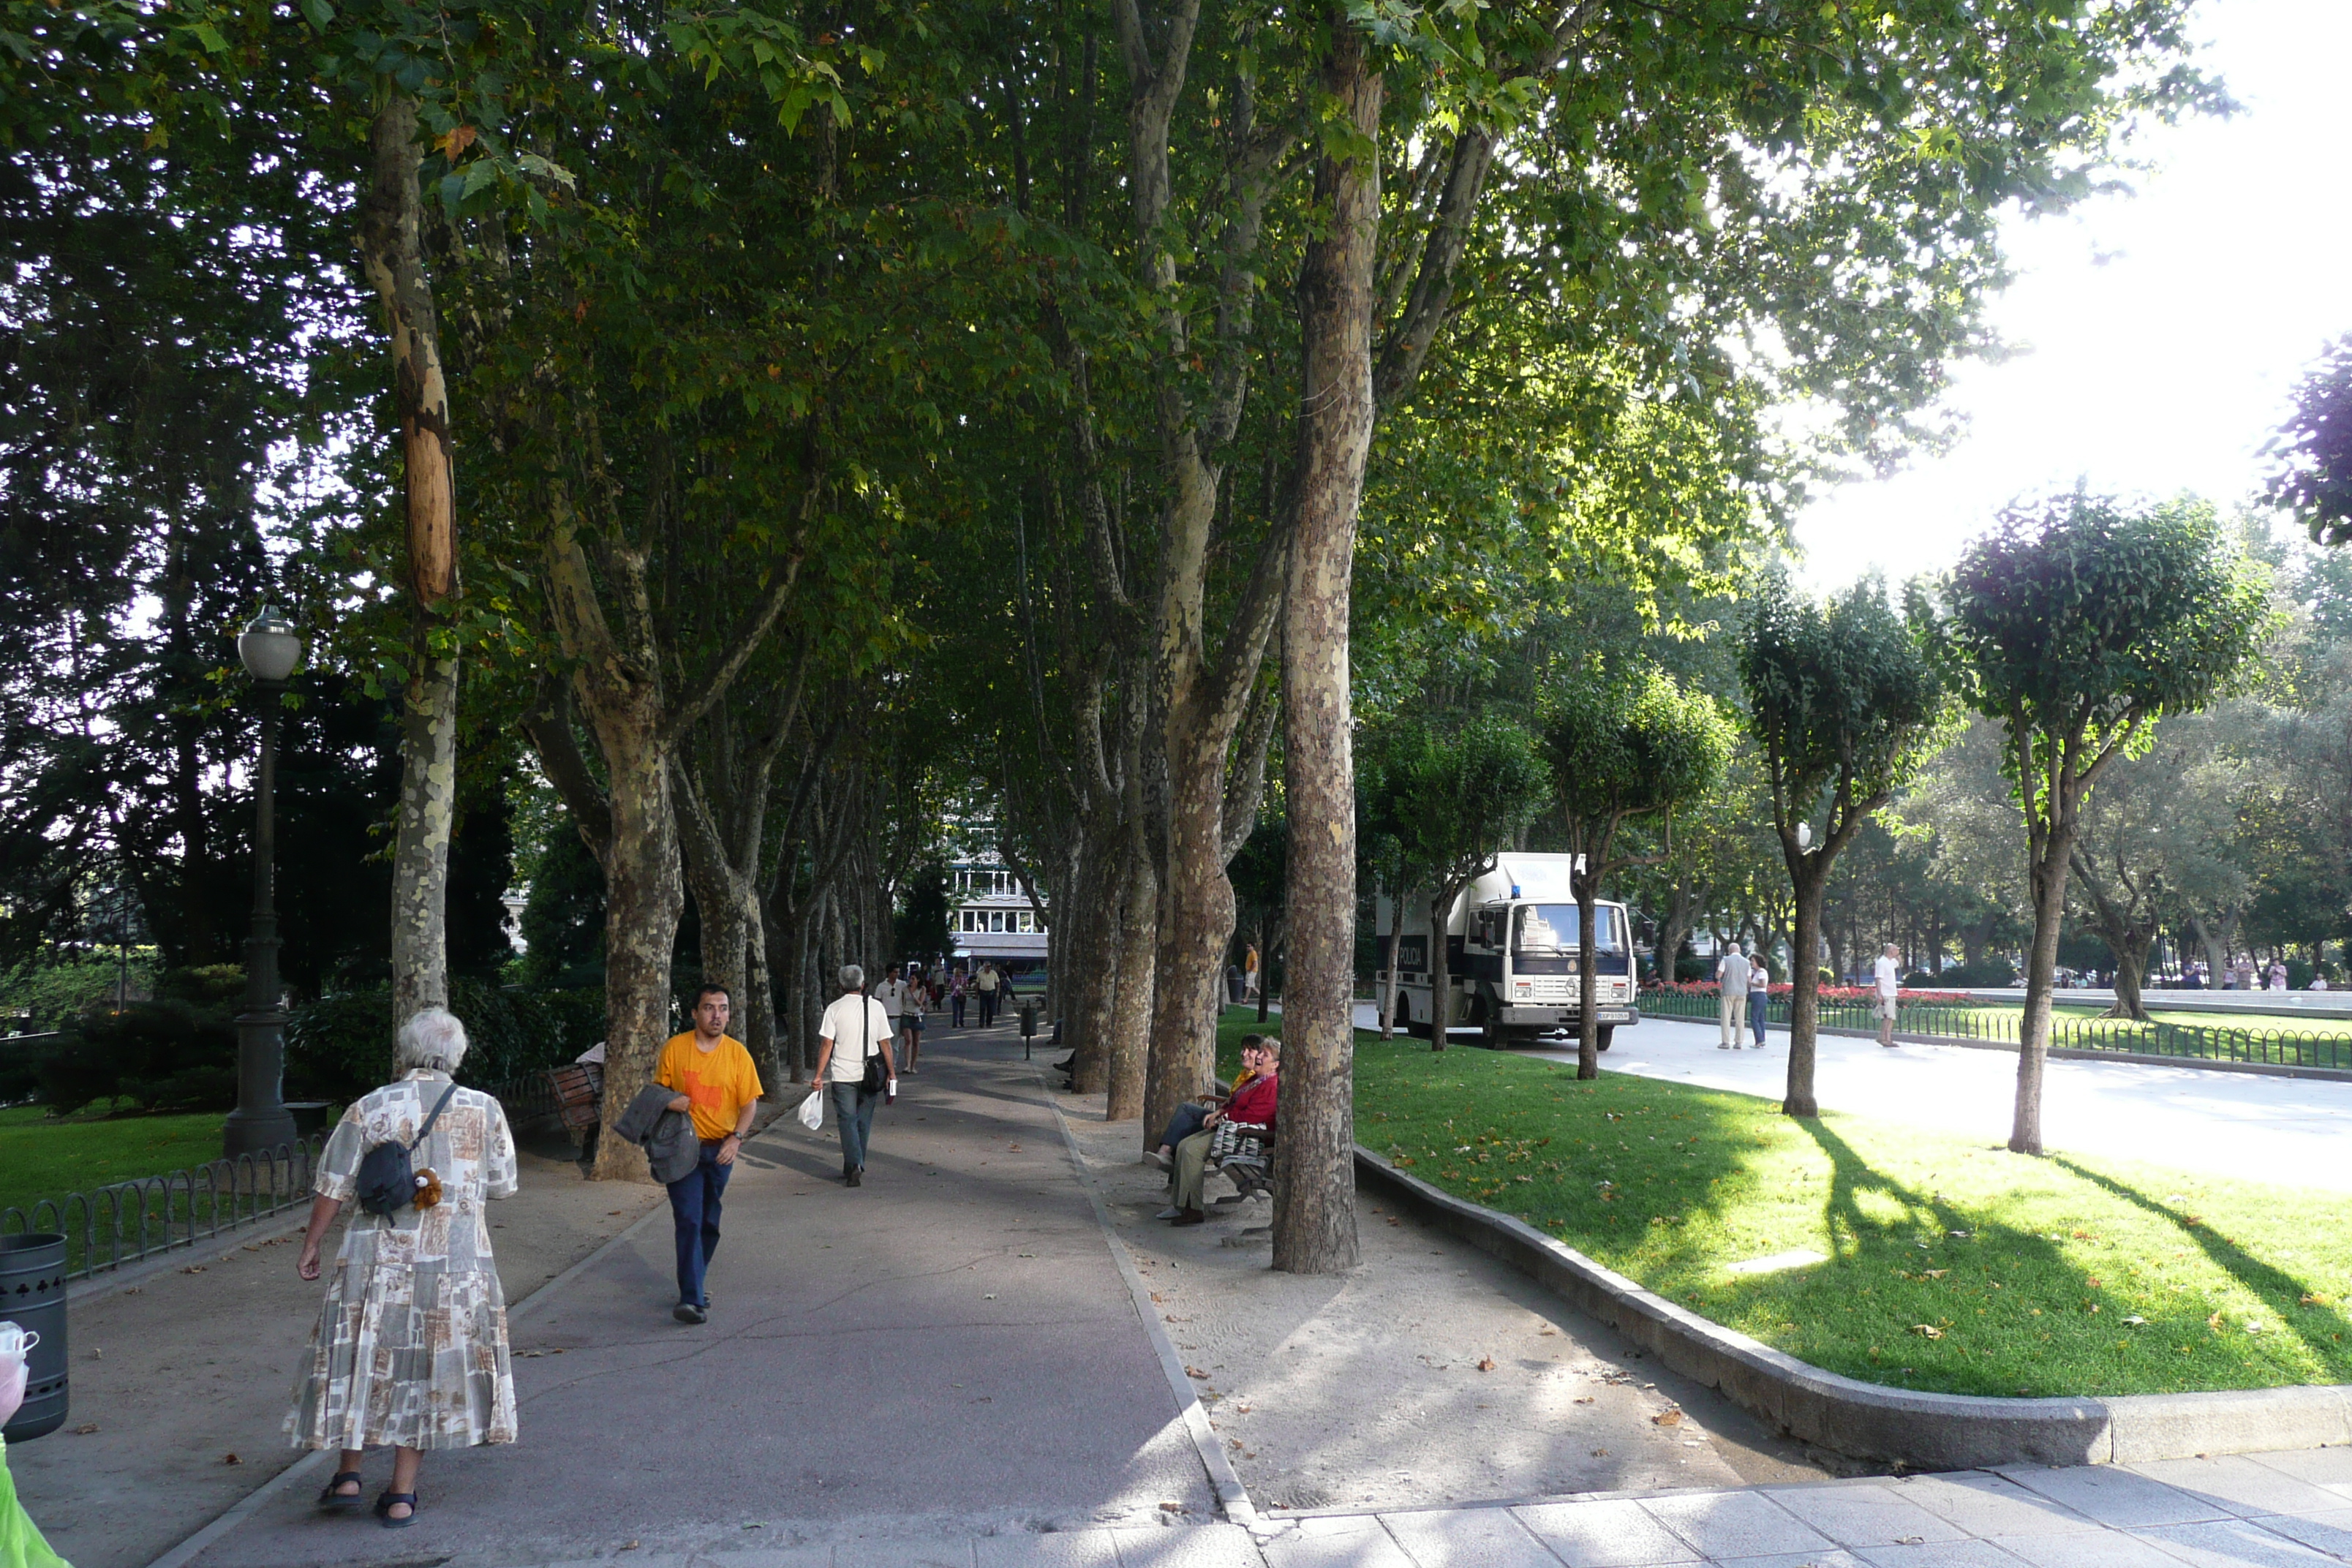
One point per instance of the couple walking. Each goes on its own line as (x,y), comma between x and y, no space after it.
(1744,982)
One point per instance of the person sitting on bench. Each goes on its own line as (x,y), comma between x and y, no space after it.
(1193,1114)
(1252,1105)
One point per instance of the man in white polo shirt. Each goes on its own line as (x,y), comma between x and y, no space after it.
(1890,987)
(1731,982)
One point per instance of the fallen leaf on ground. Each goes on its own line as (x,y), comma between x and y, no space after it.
(1194,1371)
(1667,1418)
(194,1268)
(1485,1363)
(2214,1322)
(85,1430)
(1933,1273)
(2137,1321)
(1584,1399)
(1928,1330)
(2313,1298)
(231,1460)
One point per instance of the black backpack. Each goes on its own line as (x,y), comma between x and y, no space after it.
(386,1183)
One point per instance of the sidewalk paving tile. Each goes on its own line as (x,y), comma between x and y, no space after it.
(950,1553)
(2328,1467)
(1869,1514)
(1984,1504)
(1608,1532)
(2329,1532)
(1060,1549)
(1837,1557)
(2242,1486)
(1468,1537)
(1734,1524)
(816,1554)
(2118,1498)
(1363,1546)
(2233,1543)
(2105,1549)
(1195,1546)
(1939,1554)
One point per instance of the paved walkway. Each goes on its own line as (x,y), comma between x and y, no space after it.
(948,1351)
(949,1366)
(2291,1130)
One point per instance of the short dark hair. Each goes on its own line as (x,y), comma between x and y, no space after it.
(711,988)
(1251,1041)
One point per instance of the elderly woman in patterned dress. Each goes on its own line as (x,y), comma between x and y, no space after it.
(411,1347)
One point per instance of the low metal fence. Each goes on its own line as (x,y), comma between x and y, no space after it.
(123,1222)
(1964,1021)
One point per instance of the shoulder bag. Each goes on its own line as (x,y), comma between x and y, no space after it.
(877,1071)
(387,1183)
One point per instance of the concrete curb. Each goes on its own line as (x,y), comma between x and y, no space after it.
(1870,1422)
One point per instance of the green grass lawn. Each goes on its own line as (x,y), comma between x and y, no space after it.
(2030,1272)
(42,1156)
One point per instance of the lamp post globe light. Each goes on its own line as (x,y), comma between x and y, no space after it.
(270,649)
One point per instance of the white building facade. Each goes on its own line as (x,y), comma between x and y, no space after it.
(988,917)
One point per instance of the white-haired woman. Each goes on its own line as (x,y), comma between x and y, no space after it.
(410,1350)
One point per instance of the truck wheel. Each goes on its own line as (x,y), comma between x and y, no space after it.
(1602,1035)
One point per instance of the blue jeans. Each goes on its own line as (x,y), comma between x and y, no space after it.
(1184,1123)
(853,1111)
(1758,1003)
(694,1204)
(955,1008)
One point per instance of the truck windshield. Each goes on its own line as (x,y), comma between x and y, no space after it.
(1553,929)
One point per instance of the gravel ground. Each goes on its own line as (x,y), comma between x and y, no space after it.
(1429,1374)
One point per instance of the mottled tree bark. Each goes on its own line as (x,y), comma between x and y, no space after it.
(1805,991)
(392,255)
(1131,1023)
(1315,1187)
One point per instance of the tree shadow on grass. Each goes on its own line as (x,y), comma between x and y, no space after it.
(2282,1291)
(1953,1237)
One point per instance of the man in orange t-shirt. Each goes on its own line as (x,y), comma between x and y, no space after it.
(719,1088)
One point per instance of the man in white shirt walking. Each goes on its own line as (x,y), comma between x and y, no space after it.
(854,1028)
(1890,985)
(1731,982)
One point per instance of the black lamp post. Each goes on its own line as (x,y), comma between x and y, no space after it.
(261,1121)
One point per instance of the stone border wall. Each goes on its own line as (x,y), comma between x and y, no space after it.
(1868,1421)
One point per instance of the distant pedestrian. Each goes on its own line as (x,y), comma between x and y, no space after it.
(719,1088)
(2244,974)
(1889,980)
(1731,998)
(1759,993)
(892,995)
(910,1023)
(988,983)
(955,998)
(1251,978)
(856,1030)
(2278,975)
(410,1348)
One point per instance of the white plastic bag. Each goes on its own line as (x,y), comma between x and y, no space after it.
(811,1112)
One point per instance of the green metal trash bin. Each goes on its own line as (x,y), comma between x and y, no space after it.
(33,1297)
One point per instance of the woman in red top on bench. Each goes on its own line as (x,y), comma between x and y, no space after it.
(1254,1103)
